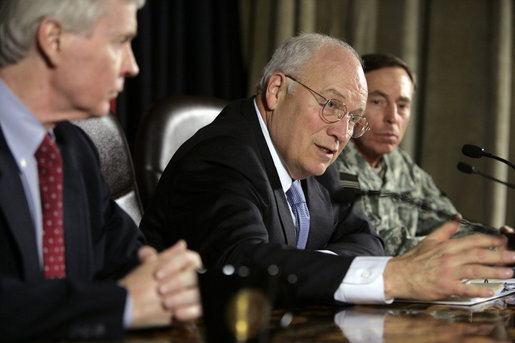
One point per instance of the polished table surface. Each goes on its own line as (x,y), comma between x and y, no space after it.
(492,321)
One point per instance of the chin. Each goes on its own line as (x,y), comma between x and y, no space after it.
(101,111)
(386,150)
(320,170)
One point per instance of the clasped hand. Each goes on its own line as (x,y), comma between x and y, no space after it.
(164,286)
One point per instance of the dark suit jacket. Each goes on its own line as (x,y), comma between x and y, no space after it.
(221,192)
(101,244)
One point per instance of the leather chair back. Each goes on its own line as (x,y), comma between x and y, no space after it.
(162,130)
(116,160)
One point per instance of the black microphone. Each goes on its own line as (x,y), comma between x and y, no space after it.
(474,151)
(346,195)
(468,169)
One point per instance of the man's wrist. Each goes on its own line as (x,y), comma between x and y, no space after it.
(391,275)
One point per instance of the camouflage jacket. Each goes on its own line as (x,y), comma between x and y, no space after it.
(401,223)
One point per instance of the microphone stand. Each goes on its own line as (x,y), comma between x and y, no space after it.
(349,195)
(474,151)
(500,159)
(404,197)
(468,169)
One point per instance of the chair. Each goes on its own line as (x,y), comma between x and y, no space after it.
(162,130)
(116,161)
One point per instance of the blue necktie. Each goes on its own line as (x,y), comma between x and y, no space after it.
(297,201)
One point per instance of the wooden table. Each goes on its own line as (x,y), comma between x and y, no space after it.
(400,322)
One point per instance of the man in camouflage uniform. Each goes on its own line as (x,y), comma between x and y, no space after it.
(374,162)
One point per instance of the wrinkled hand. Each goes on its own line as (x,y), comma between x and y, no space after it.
(164,286)
(435,268)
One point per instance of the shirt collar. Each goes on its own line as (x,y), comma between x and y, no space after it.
(22,130)
(284,177)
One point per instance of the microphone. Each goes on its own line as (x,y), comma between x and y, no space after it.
(468,169)
(346,195)
(474,151)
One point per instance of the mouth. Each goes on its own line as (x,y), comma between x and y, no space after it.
(387,135)
(326,150)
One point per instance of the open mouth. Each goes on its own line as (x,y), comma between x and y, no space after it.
(326,150)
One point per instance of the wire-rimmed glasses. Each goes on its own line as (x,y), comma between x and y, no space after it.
(334,110)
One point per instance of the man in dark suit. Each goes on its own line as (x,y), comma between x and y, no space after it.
(232,191)
(72,263)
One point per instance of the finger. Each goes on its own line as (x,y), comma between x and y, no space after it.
(489,257)
(506,229)
(185,260)
(485,272)
(188,313)
(147,254)
(472,291)
(475,241)
(190,297)
(174,249)
(445,231)
(178,282)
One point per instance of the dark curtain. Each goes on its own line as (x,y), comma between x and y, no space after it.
(183,47)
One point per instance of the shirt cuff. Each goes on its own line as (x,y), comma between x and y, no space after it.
(127,312)
(363,283)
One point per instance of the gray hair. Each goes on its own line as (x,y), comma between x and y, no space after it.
(291,56)
(19,21)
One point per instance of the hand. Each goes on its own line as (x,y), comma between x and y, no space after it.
(506,229)
(435,268)
(145,282)
(142,286)
(178,282)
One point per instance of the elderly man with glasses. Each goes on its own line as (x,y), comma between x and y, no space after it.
(255,187)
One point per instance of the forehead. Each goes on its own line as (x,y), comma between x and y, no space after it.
(118,18)
(337,72)
(390,78)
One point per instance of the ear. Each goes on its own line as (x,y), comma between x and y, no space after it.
(274,90)
(48,40)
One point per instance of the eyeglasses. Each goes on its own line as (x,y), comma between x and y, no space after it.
(334,110)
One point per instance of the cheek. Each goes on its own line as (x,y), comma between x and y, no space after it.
(374,121)
(404,125)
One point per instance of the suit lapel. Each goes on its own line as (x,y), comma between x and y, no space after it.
(290,235)
(285,217)
(75,217)
(321,214)
(14,208)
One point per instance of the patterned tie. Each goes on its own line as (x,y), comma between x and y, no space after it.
(300,210)
(51,189)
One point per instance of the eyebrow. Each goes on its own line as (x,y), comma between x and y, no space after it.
(333,91)
(384,95)
(360,111)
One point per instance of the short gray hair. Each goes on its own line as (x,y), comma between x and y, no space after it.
(19,20)
(294,53)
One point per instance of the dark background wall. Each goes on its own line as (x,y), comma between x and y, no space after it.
(183,47)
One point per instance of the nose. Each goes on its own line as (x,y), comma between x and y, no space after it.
(130,67)
(340,130)
(391,113)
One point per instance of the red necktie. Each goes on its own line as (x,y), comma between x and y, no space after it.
(50,173)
